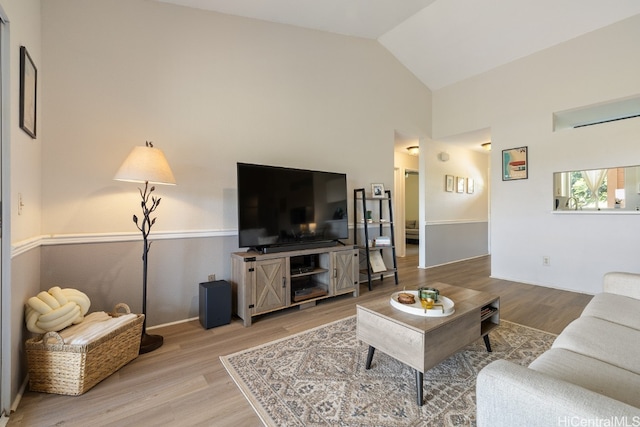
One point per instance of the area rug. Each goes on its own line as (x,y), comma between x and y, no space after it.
(318,378)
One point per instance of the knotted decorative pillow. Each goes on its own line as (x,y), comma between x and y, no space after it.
(56,309)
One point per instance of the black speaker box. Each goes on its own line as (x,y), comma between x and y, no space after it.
(215,303)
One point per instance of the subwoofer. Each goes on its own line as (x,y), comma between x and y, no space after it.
(215,303)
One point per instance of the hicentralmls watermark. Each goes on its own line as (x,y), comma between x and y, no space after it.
(599,422)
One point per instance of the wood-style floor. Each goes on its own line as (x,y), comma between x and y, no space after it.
(184,383)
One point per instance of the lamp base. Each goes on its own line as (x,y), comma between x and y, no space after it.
(149,343)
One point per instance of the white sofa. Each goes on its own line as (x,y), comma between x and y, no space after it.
(590,376)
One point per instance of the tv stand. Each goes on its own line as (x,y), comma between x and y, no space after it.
(266,282)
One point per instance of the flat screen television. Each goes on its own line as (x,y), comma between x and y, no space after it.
(283,209)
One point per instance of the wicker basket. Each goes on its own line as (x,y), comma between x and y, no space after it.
(73,369)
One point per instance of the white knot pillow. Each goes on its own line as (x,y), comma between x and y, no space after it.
(56,309)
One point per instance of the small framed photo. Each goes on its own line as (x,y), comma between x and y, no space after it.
(470,185)
(28,85)
(460,188)
(448,183)
(515,164)
(377,191)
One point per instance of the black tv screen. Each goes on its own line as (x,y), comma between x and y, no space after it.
(280,206)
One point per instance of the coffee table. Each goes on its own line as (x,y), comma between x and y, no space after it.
(423,342)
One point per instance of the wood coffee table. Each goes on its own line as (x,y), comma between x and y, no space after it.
(423,342)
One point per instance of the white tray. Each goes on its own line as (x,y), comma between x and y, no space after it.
(417,309)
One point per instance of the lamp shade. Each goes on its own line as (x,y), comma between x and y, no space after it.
(146,164)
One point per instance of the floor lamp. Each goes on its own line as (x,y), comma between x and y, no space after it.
(148,165)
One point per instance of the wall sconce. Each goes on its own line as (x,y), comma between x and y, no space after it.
(486,146)
(414,150)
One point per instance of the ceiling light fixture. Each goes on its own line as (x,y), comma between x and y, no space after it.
(414,150)
(486,146)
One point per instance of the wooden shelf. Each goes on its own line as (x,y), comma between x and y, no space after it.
(314,292)
(489,317)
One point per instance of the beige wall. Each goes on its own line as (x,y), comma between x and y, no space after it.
(23,154)
(459,212)
(210,90)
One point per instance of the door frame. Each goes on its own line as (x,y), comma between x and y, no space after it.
(5,216)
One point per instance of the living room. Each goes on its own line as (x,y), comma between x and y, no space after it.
(211,89)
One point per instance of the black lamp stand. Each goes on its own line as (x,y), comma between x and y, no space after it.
(148,342)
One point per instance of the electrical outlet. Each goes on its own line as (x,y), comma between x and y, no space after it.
(546,261)
(212,277)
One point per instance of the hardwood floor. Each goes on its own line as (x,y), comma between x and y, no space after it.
(184,383)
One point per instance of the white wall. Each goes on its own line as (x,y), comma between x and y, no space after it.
(517,101)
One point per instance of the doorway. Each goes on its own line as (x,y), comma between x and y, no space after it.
(407,167)
(411,211)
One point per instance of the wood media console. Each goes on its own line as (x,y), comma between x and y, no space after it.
(262,283)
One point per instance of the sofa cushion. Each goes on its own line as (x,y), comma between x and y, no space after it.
(590,373)
(622,284)
(410,224)
(615,308)
(606,341)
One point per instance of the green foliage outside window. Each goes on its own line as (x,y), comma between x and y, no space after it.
(580,190)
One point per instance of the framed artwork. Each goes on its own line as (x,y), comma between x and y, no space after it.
(470,185)
(515,164)
(448,183)
(460,185)
(28,85)
(377,191)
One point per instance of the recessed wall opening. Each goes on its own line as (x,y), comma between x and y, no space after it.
(610,111)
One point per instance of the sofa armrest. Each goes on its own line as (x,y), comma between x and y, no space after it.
(626,284)
(511,395)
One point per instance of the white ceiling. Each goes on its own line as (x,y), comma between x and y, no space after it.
(440,41)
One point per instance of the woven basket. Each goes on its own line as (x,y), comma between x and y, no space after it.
(73,369)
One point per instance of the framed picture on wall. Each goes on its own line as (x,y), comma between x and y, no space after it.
(460,185)
(448,183)
(515,164)
(470,185)
(28,85)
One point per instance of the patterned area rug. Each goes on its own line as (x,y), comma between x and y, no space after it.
(318,378)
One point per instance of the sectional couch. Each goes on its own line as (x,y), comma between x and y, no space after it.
(590,376)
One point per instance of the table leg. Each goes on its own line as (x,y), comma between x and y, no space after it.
(372,349)
(419,384)
(487,343)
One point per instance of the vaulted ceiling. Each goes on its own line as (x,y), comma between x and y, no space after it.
(440,41)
